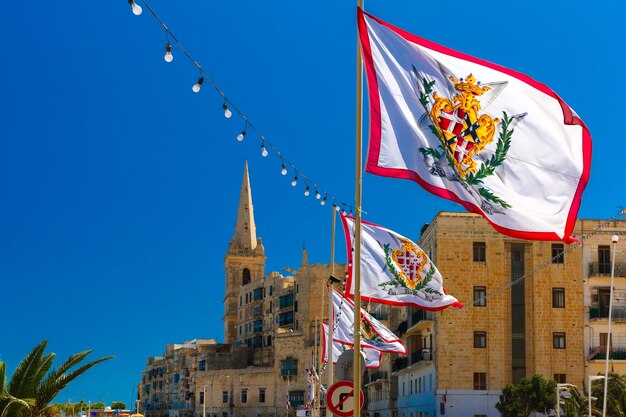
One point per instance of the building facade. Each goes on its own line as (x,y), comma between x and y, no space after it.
(271,336)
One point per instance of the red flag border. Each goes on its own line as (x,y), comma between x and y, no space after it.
(347,293)
(569,118)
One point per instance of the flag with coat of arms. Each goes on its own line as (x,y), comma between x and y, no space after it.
(371,356)
(394,269)
(489,138)
(374,334)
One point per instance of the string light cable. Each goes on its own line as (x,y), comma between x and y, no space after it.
(229,108)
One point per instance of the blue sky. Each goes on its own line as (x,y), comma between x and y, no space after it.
(119,186)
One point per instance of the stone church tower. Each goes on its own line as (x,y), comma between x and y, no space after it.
(244,261)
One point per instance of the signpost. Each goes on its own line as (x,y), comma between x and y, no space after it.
(340,399)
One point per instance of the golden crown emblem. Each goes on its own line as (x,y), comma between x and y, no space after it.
(469,85)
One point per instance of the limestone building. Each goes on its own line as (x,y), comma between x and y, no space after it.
(553,322)
(271,327)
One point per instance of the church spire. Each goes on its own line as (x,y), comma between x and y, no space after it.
(245,228)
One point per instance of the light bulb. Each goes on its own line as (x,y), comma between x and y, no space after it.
(241,135)
(263,150)
(283,170)
(323,202)
(294,181)
(227,112)
(136,8)
(317,195)
(337,208)
(168,53)
(307,192)
(196,86)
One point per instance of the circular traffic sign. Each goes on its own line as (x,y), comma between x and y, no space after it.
(340,398)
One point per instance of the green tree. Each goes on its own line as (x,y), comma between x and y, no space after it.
(34,384)
(529,395)
(576,405)
(616,395)
(118,405)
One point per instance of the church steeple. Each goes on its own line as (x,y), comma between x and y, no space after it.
(245,228)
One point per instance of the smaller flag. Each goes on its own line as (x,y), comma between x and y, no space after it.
(373,333)
(371,356)
(394,270)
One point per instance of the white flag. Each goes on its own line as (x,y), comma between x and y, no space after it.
(373,333)
(371,356)
(491,139)
(394,270)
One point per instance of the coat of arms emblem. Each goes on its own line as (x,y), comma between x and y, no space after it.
(412,271)
(457,116)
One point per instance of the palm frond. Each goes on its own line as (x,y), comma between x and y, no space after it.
(55,382)
(24,380)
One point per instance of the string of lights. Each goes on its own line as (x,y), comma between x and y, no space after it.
(321,194)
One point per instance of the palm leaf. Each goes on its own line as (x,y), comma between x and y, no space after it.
(55,382)
(24,380)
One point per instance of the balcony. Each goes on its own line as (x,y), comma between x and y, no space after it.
(603,269)
(599,313)
(420,320)
(618,354)
(421,355)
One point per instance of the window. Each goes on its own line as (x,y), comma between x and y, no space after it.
(285,318)
(245,276)
(202,365)
(558,340)
(604,259)
(257,326)
(560,378)
(558,255)
(201,397)
(603,342)
(261,395)
(224,397)
(257,341)
(244,396)
(480,380)
(480,339)
(296,398)
(271,289)
(480,296)
(479,251)
(257,294)
(558,297)
(268,342)
(288,367)
(285,301)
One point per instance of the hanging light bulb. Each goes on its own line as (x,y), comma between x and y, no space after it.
(136,8)
(337,208)
(294,181)
(306,191)
(263,150)
(283,169)
(241,135)
(227,112)
(317,195)
(323,202)
(196,86)
(168,53)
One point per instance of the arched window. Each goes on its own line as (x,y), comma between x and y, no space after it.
(245,276)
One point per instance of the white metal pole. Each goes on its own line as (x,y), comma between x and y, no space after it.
(614,240)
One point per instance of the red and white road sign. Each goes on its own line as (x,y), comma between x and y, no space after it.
(340,398)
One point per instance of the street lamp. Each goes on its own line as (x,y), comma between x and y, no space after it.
(609,346)
(559,388)
(589,380)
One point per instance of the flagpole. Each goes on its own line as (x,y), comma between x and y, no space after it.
(331,322)
(609,346)
(356,263)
